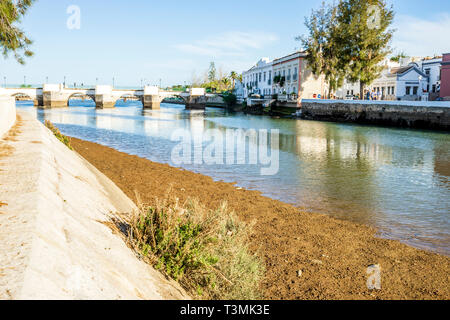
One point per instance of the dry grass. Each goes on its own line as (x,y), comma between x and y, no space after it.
(206,251)
(64,139)
(15,130)
(5,148)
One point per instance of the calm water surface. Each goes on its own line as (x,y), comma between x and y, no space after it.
(393,179)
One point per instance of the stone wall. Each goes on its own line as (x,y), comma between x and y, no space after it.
(7,113)
(215,101)
(425,115)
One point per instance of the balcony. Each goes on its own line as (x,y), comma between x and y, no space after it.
(287,97)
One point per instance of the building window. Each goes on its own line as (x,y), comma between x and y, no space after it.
(434,88)
(427,72)
(408,91)
(415,89)
(264,77)
(260,75)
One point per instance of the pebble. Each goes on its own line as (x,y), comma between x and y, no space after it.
(316,261)
(299,273)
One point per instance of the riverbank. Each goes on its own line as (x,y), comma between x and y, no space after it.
(332,255)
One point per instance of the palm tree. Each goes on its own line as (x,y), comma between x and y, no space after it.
(226,82)
(234,77)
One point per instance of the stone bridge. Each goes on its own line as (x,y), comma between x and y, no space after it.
(58,96)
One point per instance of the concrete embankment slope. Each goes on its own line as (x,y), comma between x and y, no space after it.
(7,113)
(53,240)
(413,114)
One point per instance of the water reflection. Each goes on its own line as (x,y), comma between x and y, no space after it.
(396,180)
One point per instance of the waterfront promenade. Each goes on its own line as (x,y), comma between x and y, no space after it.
(410,114)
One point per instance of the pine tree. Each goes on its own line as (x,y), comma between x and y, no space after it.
(12,39)
(212,72)
(364,36)
(322,54)
(348,41)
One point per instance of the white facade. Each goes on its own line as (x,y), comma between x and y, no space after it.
(432,68)
(258,80)
(287,68)
(347,90)
(239,89)
(400,83)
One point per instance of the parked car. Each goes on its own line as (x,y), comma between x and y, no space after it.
(349,97)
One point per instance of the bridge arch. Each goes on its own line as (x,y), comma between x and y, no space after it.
(21,96)
(174,98)
(25,97)
(124,98)
(80,96)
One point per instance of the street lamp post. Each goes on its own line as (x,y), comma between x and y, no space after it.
(24,80)
(64,81)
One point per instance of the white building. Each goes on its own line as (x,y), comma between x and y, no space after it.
(239,89)
(400,83)
(432,68)
(293,78)
(258,80)
(348,90)
(286,69)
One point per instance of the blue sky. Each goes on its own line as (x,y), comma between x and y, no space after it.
(152,40)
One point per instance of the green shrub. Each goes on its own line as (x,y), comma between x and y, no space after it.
(230,99)
(205,250)
(64,139)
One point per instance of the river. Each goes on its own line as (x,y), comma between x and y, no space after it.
(396,180)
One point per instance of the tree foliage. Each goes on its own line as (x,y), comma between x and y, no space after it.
(215,80)
(212,72)
(13,39)
(323,57)
(349,40)
(399,56)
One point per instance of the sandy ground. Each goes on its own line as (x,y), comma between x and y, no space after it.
(331,255)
